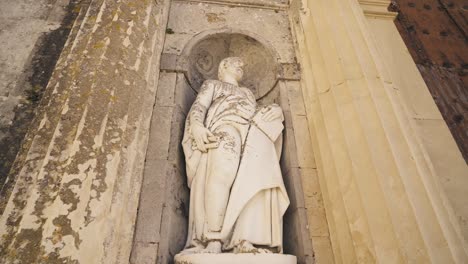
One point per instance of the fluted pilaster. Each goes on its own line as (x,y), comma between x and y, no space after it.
(383,203)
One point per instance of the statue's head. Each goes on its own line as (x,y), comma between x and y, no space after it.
(232,67)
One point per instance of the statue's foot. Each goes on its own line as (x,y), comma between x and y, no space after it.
(247,247)
(194,250)
(213,247)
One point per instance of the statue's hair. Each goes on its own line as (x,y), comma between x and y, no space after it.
(236,61)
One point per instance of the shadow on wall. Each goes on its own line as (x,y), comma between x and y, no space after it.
(31,85)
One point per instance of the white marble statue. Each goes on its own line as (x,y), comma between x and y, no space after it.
(232,149)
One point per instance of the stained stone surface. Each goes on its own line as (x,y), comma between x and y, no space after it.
(32,35)
(79,171)
(230,258)
(271,27)
(22,25)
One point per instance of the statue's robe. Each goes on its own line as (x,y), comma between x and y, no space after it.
(258,199)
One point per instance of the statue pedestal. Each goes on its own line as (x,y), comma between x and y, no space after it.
(231,258)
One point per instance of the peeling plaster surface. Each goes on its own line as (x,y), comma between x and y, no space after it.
(79,173)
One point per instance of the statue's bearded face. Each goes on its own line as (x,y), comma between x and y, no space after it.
(233,67)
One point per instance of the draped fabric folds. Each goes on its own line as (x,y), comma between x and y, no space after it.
(258,199)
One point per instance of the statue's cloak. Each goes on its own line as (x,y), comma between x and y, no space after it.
(258,198)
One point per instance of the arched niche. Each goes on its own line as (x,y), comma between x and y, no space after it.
(203,54)
(161,226)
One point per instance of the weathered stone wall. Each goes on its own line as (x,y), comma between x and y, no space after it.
(79,171)
(32,35)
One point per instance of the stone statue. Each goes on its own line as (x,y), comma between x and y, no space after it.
(232,149)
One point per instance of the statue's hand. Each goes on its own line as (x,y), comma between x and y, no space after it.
(272,112)
(202,136)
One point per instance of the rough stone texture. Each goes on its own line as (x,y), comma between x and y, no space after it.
(32,35)
(264,24)
(435,33)
(79,172)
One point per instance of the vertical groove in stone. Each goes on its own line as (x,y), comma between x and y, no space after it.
(403,218)
(354,96)
(334,100)
(343,246)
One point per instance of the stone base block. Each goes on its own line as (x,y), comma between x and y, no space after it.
(230,258)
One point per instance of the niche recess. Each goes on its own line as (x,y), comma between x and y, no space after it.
(163,210)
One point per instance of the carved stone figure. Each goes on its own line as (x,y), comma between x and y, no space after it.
(232,149)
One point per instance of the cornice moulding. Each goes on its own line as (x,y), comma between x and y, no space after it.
(377,9)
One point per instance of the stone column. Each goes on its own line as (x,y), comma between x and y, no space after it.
(383,201)
(79,173)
